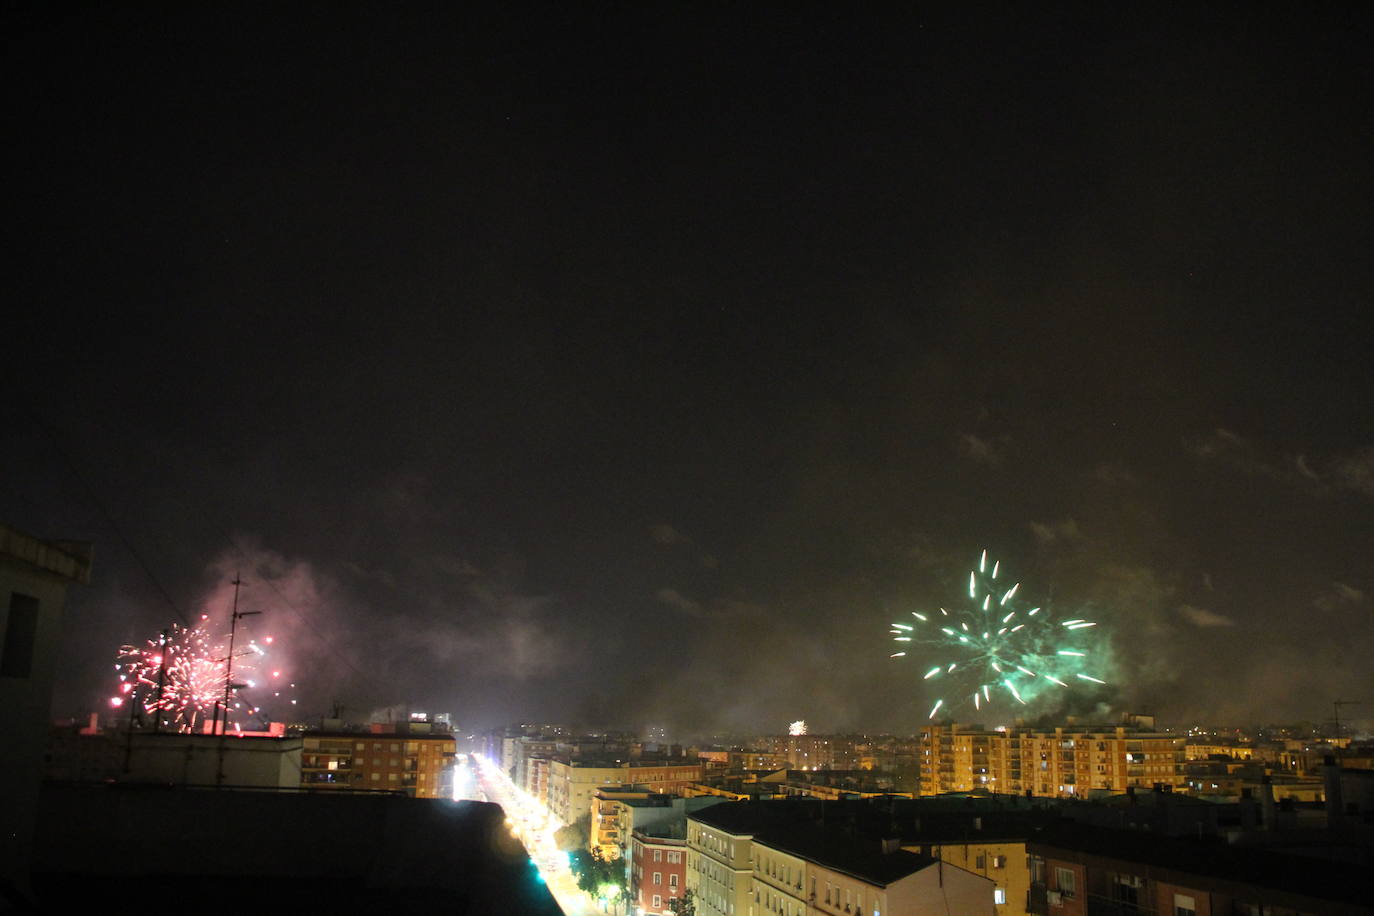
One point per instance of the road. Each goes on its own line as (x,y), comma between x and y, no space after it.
(479,779)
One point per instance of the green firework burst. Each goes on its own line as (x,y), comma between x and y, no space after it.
(995,648)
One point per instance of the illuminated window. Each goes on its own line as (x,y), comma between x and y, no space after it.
(1184,905)
(1065,881)
(999,895)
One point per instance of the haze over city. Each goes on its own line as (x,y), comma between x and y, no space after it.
(617,370)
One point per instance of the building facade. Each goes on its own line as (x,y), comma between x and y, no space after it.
(572,783)
(719,867)
(786,858)
(418,764)
(779,882)
(1080,871)
(34,575)
(1061,762)
(658,869)
(1002,861)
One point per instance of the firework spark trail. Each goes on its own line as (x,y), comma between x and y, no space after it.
(1004,651)
(186,691)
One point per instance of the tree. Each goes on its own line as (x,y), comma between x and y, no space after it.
(574,836)
(599,876)
(686,905)
(593,870)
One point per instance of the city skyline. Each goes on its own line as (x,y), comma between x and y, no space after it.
(632,368)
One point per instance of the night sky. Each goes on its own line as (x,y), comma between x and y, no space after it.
(624,368)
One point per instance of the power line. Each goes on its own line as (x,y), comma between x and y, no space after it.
(68,461)
(66,458)
(310,625)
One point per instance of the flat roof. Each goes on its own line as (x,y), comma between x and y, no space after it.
(788,827)
(1208,862)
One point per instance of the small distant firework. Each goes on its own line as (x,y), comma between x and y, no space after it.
(797,728)
(995,648)
(186,691)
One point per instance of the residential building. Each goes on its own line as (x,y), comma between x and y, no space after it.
(537,779)
(1067,761)
(635,811)
(998,855)
(1077,870)
(417,763)
(791,859)
(574,781)
(605,832)
(524,752)
(779,883)
(658,866)
(720,862)
(810,752)
(746,760)
(34,575)
(1203,748)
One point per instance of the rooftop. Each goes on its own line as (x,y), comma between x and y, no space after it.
(1211,860)
(788,826)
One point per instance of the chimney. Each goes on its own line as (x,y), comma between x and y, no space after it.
(1268,817)
(1331,779)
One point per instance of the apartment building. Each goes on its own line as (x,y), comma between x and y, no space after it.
(573,782)
(418,764)
(658,867)
(786,858)
(1077,870)
(1067,761)
(720,862)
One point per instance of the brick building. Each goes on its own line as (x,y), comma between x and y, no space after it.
(420,764)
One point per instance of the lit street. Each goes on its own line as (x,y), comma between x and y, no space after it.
(481,780)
